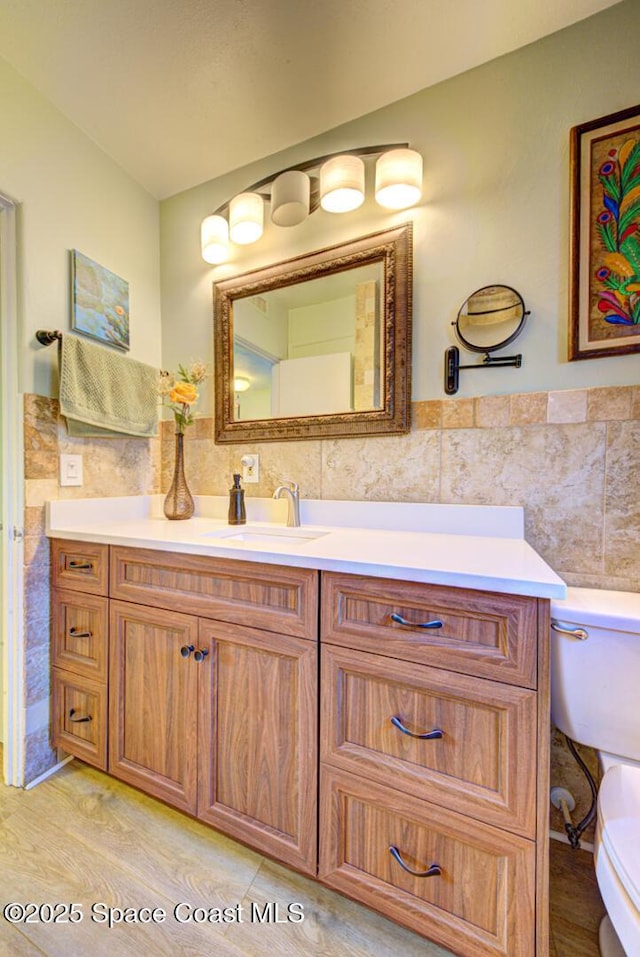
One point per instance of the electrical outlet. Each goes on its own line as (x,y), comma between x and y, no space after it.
(70,470)
(250,468)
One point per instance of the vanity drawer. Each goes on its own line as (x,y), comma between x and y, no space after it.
(79,717)
(273,597)
(477,633)
(79,633)
(481,904)
(81,566)
(480,765)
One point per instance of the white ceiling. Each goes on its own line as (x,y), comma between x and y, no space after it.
(181,91)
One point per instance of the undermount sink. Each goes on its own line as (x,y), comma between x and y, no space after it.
(267,536)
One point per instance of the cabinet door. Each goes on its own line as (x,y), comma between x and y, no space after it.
(82,566)
(152,702)
(275,597)
(463,884)
(79,627)
(464,743)
(473,632)
(79,716)
(258,728)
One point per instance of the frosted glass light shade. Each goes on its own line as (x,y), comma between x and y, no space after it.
(240,384)
(214,236)
(290,198)
(342,184)
(246,218)
(399,179)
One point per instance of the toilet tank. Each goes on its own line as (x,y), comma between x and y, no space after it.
(595,683)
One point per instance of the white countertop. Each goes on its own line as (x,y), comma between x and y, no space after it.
(460,545)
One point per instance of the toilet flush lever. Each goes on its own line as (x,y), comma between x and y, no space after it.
(580,633)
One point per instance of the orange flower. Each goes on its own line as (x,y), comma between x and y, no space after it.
(184,393)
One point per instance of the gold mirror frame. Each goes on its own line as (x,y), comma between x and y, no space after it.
(393,248)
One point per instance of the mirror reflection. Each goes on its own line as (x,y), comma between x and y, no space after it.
(317,346)
(490,318)
(309,349)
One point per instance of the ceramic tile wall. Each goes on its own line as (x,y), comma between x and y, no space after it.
(572,459)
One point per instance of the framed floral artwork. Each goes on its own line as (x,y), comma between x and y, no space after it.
(99,302)
(605,236)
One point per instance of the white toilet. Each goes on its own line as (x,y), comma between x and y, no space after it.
(595,700)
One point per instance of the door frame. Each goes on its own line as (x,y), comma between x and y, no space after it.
(12,535)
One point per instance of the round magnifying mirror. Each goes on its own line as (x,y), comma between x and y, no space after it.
(490,318)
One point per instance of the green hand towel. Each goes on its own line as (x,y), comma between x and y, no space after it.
(105,394)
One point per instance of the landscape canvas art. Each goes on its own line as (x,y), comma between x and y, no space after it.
(100,302)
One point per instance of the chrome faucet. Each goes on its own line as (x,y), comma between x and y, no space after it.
(292,491)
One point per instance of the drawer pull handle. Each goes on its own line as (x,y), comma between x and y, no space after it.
(186,650)
(201,654)
(81,565)
(425,736)
(436,623)
(74,633)
(433,871)
(72,711)
(580,633)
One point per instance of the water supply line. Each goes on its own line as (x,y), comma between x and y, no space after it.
(564,801)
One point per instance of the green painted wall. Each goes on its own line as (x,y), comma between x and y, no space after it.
(495,142)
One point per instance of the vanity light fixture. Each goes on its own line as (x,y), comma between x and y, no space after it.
(342,184)
(240,384)
(246,218)
(335,183)
(290,198)
(215,240)
(399,179)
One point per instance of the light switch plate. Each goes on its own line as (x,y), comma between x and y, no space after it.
(70,469)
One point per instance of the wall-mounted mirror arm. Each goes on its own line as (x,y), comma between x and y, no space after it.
(452,366)
(489,319)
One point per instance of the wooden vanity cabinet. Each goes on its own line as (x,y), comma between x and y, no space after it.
(79,648)
(211,714)
(433,732)
(434,760)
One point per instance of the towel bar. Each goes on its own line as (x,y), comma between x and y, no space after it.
(46,338)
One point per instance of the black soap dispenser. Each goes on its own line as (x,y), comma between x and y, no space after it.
(237,514)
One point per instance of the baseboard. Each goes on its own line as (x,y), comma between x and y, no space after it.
(47,774)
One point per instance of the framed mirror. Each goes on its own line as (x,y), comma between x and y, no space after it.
(317,346)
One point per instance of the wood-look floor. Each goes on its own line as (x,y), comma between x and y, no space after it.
(83,837)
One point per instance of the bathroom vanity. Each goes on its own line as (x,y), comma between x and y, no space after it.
(368,705)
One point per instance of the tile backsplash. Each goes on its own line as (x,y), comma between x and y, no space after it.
(570,458)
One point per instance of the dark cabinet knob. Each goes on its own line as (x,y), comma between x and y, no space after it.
(186,650)
(201,654)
